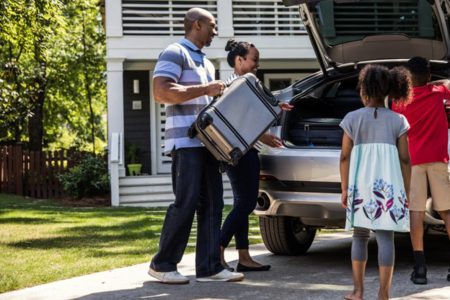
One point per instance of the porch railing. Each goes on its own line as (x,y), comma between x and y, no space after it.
(250,17)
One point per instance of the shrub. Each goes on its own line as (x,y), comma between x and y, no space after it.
(88,178)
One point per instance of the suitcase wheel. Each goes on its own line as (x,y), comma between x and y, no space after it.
(192,132)
(205,121)
(235,155)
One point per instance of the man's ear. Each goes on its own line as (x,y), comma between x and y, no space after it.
(197,24)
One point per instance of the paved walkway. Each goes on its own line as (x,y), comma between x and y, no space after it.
(324,273)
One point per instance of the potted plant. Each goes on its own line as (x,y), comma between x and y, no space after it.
(134,166)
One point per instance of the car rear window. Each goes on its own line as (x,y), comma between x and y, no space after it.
(345,22)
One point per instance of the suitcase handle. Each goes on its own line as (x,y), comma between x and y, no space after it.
(269,94)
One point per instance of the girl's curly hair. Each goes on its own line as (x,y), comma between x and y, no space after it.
(376,82)
(401,90)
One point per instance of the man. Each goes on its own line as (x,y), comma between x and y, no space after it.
(428,139)
(183,81)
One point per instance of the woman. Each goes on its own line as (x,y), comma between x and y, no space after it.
(244,177)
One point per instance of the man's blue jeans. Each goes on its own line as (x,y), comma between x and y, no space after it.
(197,185)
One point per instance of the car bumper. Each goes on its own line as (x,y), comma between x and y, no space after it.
(314,209)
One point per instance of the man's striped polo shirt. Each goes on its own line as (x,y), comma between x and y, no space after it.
(187,65)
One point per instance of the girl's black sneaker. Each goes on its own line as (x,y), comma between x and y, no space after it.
(419,275)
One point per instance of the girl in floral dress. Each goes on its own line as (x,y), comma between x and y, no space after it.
(375,172)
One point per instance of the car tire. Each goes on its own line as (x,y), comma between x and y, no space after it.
(286,235)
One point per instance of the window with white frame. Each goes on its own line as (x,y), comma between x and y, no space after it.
(265,17)
(154,17)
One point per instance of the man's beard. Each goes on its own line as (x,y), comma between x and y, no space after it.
(208,43)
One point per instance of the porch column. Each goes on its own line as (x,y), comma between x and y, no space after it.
(114,91)
(225,18)
(113,18)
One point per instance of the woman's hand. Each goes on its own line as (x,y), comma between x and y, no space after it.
(344,197)
(285,106)
(271,140)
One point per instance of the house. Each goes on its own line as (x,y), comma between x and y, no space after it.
(137,31)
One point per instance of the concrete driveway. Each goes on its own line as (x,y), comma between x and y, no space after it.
(324,273)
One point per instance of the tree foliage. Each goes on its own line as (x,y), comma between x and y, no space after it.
(52,85)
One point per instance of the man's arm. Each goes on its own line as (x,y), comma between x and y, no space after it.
(166,90)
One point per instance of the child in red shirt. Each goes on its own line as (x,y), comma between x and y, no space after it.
(428,139)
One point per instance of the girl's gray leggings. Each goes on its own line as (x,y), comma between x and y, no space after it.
(385,241)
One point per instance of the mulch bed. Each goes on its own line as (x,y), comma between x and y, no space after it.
(96,201)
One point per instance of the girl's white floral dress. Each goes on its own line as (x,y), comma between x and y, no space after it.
(376,194)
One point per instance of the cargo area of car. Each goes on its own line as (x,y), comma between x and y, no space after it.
(314,121)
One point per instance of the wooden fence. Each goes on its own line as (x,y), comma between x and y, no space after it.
(34,173)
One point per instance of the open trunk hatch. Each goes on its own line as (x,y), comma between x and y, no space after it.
(360,30)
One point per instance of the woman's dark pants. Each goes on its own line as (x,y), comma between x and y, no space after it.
(244,179)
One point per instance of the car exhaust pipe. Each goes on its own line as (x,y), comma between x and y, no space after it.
(262,202)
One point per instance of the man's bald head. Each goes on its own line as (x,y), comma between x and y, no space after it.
(195,14)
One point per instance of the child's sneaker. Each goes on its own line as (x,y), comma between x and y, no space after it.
(419,275)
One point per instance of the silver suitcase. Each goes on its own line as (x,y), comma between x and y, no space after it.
(231,124)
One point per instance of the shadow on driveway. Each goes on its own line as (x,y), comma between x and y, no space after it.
(323,273)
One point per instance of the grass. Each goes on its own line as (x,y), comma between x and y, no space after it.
(42,241)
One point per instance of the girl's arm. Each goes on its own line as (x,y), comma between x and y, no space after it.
(403,154)
(344,166)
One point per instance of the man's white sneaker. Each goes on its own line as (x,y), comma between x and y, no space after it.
(223,275)
(173,277)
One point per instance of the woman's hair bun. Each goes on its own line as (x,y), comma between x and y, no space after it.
(231,44)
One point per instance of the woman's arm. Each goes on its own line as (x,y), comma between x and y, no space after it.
(271,140)
(285,106)
(403,154)
(344,166)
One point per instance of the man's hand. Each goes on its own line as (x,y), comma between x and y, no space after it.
(215,88)
(271,140)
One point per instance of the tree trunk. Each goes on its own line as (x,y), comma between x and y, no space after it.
(35,123)
(87,82)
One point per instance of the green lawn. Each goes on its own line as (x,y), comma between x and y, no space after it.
(42,241)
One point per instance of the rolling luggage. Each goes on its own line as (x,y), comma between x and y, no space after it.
(231,124)
(315,132)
